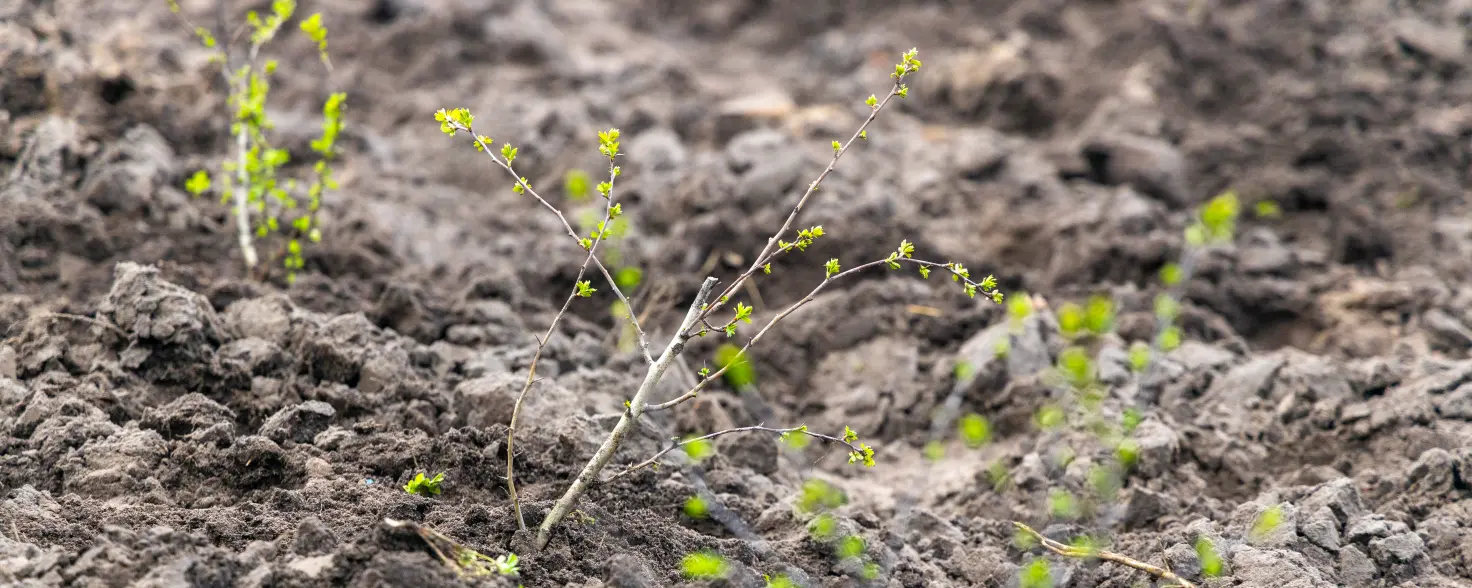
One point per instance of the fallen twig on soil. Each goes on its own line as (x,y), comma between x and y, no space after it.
(464,560)
(1085,553)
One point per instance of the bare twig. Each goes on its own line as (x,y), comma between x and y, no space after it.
(1085,553)
(677,443)
(542,344)
(771,250)
(633,410)
(799,304)
(464,560)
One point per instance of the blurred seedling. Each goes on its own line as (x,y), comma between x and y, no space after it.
(700,319)
(266,204)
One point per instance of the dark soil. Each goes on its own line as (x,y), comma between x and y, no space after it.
(166,422)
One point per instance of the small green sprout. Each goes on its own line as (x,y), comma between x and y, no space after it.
(1170,338)
(1099,315)
(422,486)
(506,565)
(704,565)
(850,546)
(586,289)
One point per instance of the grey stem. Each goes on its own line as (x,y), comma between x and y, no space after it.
(626,422)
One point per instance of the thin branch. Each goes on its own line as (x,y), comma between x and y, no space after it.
(633,410)
(771,250)
(677,443)
(1084,553)
(799,304)
(571,232)
(542,344)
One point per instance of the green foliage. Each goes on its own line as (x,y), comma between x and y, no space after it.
(1211,559)
(1268,209)
(975,430)
(850,546)
(779,581)
(506,565)
(267,203)
(817,496)
(698,449)
(739,373)
(575,184)
(696,508)
(1036,574)
(422,486)
(1266,522)
(704,565)
(1062,504)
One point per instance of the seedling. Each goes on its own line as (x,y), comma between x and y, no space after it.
(266,204)
(422,486)
(700,320)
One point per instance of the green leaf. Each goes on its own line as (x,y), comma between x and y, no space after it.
(1036,575)
(975,430)
(422,486)
(1171,274)
(1139,356)
(704,565)
(699,449)
(738,370)
(575,184)
(696,508)
(199,183)
(1211,559)
(1266,522)
(850,546)
(628,278)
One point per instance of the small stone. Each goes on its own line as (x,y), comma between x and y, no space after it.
(318,468)
(1398,549)
(1355,568)
(1321,528)
(1371,526)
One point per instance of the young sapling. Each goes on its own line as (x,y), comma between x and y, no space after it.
(699,319)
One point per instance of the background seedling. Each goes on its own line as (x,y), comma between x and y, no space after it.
(267,204)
